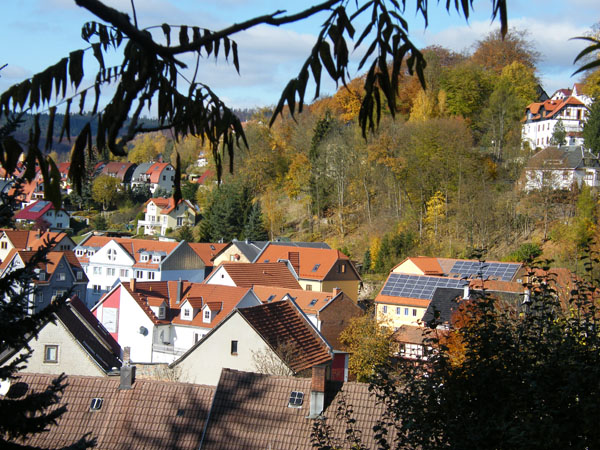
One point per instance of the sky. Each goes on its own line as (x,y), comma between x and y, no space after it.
(38,33)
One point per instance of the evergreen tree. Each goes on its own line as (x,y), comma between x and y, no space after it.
(591,129)
(254,229)
(559,135)
(227,213)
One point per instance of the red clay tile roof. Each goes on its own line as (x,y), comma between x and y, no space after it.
(428,265)
(402,301)
(207,251)
(281,323)
(315,263)
(496,285)
(117,169)
(153,415)
(132,246)
(166,205)
(53,258)
(156,170)
(264,274)
(410,334)
(250,411)
(304,299)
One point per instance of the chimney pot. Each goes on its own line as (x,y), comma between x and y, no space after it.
(126,355)
(466,292)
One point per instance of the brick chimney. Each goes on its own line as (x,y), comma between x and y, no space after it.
(294,259)
(132,284)
(127,377)
(336,291)
(317,390)
(126,355)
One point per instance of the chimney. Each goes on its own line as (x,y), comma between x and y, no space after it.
(126,355)
(127,377)
(132,284)
(179,289)
(336,291)
(466,292)
(294,259)
(317,390)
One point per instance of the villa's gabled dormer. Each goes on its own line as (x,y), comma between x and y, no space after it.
(210,310)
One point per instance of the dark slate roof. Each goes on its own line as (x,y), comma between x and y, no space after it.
(250,411)
(153,415)
(566,157)
(443,304)
(250,249)
(282,324)
(302,244)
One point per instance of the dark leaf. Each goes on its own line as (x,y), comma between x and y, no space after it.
(82,101)
(11,152)
(52,185)
(77,168)
(98,54)
(76,67)
(66,125)
(50,130)
(167,31)
(183,35)
(324,53)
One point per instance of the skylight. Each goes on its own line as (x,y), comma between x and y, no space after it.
(96,404)
(314,269)
(313,302)
(296,399)
(271,297)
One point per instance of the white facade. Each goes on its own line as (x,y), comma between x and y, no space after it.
(203,365)
(220,276)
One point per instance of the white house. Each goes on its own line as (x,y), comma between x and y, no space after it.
(43,211)
(159,321)
(154,175)
(107,260)
(162,214)
(569,106)
(559,168)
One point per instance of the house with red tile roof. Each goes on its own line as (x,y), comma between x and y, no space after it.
(123,171)
(258,274)
(108,260)
(416,282)
(272,338)
(317,269)
(42,211)
(74,344)
(32,240)
(61,273)
(571,107)
(124,413)
(155,175)
(161,320)
(161,214)
(207,251)
(330,312)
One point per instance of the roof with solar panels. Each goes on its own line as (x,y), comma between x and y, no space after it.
(415,279)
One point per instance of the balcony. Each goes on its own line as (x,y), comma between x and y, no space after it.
(168,349)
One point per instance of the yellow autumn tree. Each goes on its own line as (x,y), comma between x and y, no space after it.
(374,250)
(435,214)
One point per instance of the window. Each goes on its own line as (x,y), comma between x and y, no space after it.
(164,219)
(196,337)
(139,274)
(124,273)
(4,245)
(186,312)
(96,404)
(97,270)
(316,267)
(385,309)
(97,288)
(313,302)
(144,258)
(79,252)
(42,276)
(151,275)
(50,353)
(161,312)
(156,258)
(414,312)
(79,275)
(179,221)
(112,254)
(62,276)
(207,315)
(110,271)
(309,287)
(231,257)
(234,347)
(406,311)
(398,311)
(343,268)
(296,399)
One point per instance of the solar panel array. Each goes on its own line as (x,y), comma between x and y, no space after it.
(416,286)
(38,206)
(470,269)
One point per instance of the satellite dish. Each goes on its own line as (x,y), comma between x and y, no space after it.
(4,386)
(144,331)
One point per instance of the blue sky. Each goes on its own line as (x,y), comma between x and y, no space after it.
(37,33)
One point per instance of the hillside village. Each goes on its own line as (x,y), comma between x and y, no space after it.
(331,283)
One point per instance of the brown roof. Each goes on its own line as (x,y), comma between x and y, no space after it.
(314,263)
(206,250)
(309,301)
(282,323)
(250,411)
(411,334)
(427,264)
(264,274)
(152,415)
(22,239)
(403,301)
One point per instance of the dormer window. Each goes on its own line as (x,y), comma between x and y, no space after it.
(207,315)
(144,258)
(161,312)
(42,276)
(156,258)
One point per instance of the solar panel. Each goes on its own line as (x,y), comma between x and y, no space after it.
(470,269)
(37,207)
(416,286)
